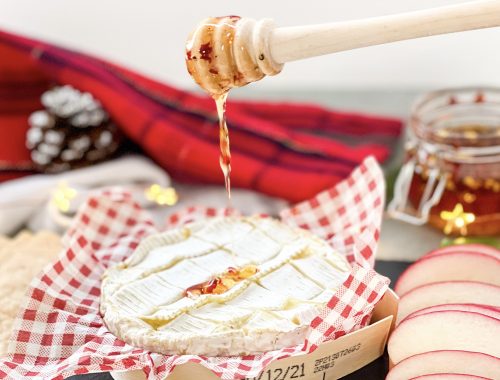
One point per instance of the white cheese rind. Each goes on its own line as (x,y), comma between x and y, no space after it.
(143,300)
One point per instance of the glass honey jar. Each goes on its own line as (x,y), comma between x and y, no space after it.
(451,174)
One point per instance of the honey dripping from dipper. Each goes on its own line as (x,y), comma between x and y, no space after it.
(218,59)
(225,151)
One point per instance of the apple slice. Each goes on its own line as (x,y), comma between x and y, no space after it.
(449,376)
(475,248)
(450,266)
(490,311)
(473,363)
(447,292)
(445,330)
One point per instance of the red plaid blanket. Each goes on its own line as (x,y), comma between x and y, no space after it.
(287,150)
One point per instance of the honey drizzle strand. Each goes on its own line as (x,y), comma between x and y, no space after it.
(225,153)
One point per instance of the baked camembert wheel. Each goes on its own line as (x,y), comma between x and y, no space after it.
(223,287)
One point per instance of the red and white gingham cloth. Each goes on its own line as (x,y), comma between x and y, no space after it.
(59,331)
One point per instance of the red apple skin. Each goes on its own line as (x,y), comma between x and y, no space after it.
(488,310)
(477,248)
(447,292)
(473,363)
(449,376)
(449,266)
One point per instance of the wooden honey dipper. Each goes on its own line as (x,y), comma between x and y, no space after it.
(227,52)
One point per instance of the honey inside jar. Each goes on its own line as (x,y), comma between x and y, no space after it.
(455,139)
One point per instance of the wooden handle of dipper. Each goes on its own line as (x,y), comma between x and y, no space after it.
(290,44)
(226,52)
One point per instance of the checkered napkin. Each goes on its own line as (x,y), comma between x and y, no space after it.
(59,331)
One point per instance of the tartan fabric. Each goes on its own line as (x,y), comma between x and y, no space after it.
(59,331)
(288,150)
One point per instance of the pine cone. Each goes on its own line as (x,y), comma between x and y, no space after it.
(73,131)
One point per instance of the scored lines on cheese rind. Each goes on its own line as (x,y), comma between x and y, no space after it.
(290,252)
(206,263)
(287,252)
(153,241)
(221,314)
(258,297)
(281,234)
(183,273)
(228,229)
(172,242)
(139,298)
(218,261)
(318,270)
(186,323)
(244,248)
(135,273)
(155,261)
(301,287)
(266,320)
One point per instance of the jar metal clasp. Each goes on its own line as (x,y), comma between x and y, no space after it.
(399,207)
